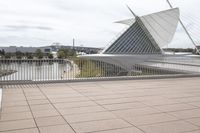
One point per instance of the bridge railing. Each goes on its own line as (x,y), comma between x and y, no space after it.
(61,70)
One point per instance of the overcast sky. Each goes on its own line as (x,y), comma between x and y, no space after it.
(90,22)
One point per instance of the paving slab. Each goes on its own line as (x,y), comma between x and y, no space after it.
(45,113)
(81,110)
(186,114)
(15,109)
(175,107)
(123,130)
(89,117)
(16,116)
(169,127)
(50,121)
(56,129)
(38,102)
(31,130)
(196,131)
(135,112)
(100,125)
(195,121)
(19,124)
(150,119)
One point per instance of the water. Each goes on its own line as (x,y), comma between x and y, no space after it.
(37,71)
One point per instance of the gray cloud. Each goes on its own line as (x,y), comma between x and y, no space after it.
(25,27)
(90,22)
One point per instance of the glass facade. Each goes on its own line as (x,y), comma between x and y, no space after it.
(135,40)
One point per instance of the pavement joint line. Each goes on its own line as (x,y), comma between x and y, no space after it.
(94,120)
(15,120)
(185,120)
(154,106)
(175,110)
(110,130)
(193,105)
(88,98)
(121,97)
(178,119)
(133,125)
(31,111)
(192,131)
(45,116)
(125,109)
(13,106)
(166,104)
(48,103)
(79,106)
(84,113)
(52,125)
(191,122)
(117,103)
(108,110)
(56,109)
(18,129)
(183,97)
(168,113)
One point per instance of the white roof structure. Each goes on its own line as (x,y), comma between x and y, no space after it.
(160,26)
(143,40)
(128,22)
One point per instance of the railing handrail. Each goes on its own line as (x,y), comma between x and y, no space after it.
(44,70)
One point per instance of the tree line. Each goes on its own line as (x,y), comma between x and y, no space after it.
(180,49)
(66,53)
(38,54)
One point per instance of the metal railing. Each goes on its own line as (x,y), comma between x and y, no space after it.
(56,70)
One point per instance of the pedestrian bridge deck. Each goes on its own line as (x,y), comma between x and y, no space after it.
(132,106)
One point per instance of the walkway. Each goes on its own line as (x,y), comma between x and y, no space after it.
(136,106)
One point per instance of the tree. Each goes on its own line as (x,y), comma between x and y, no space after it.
(72,53)
(2,52)
(50,56)
(19,55)
(8,55)
(65,53)
(39,54)
(29,55)
(61,54)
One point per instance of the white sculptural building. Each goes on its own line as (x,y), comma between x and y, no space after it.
(142,41)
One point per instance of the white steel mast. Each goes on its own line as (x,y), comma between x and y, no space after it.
(188,34)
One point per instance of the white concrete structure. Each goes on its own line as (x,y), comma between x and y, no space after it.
(142,41)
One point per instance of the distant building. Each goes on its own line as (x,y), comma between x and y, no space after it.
(87,50)
(78,49)
(50,49)
(13,49)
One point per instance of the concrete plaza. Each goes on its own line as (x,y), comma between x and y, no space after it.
(130,106)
